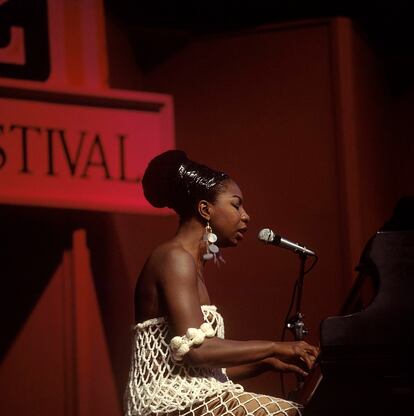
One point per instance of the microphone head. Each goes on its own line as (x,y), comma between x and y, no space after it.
(266,235)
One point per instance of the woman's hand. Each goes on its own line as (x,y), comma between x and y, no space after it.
(296,352)
(279,366)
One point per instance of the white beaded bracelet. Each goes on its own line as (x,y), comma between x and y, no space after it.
(194,336)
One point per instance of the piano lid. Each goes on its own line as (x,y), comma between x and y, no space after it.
(365,358)
(387,263)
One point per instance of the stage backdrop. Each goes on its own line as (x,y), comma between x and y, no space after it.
(295,113)
(70,146)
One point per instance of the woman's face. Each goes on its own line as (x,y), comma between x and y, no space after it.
(228,218)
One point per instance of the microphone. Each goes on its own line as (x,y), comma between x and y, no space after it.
(267,236)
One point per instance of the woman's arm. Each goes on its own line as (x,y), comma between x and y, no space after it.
(177,280)
(243,372)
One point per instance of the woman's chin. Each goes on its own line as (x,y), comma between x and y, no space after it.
(227,243)
(232,243)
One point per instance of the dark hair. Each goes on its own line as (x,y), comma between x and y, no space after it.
(172,180)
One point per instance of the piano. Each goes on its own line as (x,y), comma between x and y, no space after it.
(366,357)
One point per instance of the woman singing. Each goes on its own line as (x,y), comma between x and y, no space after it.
(181,363)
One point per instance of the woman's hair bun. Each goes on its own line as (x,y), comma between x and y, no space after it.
(174,181)
(161,176)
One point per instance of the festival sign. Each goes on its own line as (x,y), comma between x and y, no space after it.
(77,149)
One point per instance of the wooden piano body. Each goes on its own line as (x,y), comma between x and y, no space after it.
(367,352)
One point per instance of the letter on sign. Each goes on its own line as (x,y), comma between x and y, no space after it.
(83,151)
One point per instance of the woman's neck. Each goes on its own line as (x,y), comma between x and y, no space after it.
(189,235)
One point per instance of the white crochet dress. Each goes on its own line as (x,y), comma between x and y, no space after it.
(159,385)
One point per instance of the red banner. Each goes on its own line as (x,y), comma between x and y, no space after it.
(80,150)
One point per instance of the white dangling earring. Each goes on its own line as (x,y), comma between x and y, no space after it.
(212,250)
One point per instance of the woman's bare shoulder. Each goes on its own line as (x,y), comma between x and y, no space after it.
(171,258)
(163,271)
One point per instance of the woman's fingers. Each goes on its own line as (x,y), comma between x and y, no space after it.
(311,350)
(299,350)
(308,355)
(295,369)
(307,361)
(284,367)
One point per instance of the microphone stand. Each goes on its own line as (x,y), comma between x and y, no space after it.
(295,323)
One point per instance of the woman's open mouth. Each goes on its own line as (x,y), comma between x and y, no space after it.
(240,233)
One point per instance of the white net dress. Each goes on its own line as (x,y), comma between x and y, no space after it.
(158,385)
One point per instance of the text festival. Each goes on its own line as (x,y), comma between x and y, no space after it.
(85,157)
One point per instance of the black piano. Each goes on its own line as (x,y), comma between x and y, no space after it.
(366,362)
